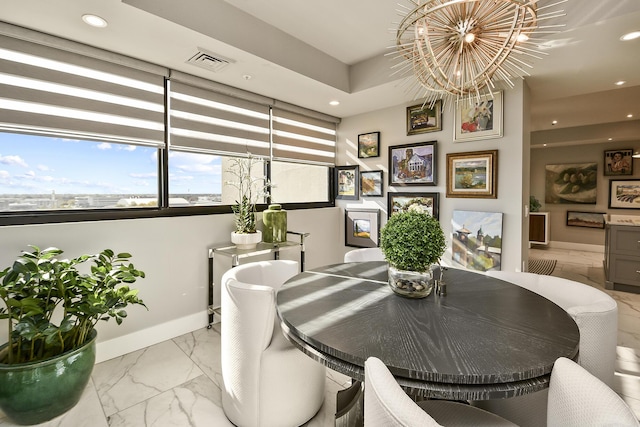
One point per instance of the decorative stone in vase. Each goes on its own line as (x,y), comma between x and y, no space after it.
(411,284)
(275,224)
(246,240)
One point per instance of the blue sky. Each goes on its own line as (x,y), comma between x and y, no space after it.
(39,165)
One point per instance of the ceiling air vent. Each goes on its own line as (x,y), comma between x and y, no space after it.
(209,61)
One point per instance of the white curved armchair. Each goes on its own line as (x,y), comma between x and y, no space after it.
(266,380)
(596,315)
(387,405)
(364,254)
(578,399)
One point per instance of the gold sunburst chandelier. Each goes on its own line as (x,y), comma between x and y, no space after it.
(463,48)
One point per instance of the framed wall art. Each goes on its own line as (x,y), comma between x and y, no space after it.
(412,164)
(362,227)
(476,242)
(369,145)
(618,162)
(347,182)
(586,219)
(624,194)
(571,183)
(478,118)
(424,118)
(473,174)
(425,202)
(371,183)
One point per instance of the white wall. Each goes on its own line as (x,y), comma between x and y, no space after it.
(173,252)
(391,122)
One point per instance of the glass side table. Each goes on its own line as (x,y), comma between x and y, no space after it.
(236,255)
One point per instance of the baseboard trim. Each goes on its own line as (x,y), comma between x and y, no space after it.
(577,246)
(134,341)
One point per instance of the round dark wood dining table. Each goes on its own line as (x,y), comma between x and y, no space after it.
(485,339)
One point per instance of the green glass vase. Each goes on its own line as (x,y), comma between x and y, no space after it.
(275,224)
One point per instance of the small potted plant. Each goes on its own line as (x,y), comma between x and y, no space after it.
(412,241)
(52,306)
(251,187)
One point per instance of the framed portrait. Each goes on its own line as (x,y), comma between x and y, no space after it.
(425,202)
(476,241)
(424,118)
(618,162)
(371,183)
(571,183)
(624,194)
(586,219)
(347,182)
(473,174)
(362,227)
(369,145)
(478,118)
(413,164)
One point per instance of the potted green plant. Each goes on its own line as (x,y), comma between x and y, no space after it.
(252,186)
(52,306)
(412,241)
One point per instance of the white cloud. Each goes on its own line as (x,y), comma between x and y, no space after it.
(104,146)
(4,174)
(43,168)
(13,160)
(144,175)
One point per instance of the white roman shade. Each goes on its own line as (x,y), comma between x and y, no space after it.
(300,137)
(46,90)
(207,121)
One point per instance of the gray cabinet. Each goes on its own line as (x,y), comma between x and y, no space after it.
(622,257)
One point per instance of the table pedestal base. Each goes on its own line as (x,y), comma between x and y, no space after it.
(350,406)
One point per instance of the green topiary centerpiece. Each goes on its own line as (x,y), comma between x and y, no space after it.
(412,242)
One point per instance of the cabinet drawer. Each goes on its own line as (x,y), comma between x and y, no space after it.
(625,240)
(625,270)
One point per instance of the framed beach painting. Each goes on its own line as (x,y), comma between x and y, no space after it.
(412,164)
(424,118)
(618,162)
(424,202)
(371,183)
(624,194)
(347,182)
(368,145)
(476,241)
(362,227)
(478,118)
(473,174)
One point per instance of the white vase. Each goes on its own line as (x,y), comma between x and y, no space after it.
(246,240)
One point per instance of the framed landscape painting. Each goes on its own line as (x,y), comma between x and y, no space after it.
(412,164)
(476,241)
(371,183)
(424,118)
(586,219)
(624,194)
(369,145)
(362,227)
(347,182)
(472,174)
(478,118)
(424,202)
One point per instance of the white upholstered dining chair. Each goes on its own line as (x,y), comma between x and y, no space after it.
(267,382)
(596,315)
(387,405)
(364,254)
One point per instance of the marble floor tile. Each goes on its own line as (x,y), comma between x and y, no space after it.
(135,377)
(199,346)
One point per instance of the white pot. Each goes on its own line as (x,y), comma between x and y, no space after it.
(246,240)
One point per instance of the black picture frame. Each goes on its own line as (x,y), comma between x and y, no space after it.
(618,162)
(368,145)
(371,183)
(429,202)
(586,219)
(362,228)
(346,182)
(423,118)
(413,164)
(624,193)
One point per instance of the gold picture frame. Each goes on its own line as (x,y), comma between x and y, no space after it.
(473,174)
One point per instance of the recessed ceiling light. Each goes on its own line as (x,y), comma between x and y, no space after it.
(620,82)
(334,103)
(544,145)
(247,76)
(629,115)
(555,122)
(94,20)
(610,139)
(630,36)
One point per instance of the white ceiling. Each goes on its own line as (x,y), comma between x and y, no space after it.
(309,53)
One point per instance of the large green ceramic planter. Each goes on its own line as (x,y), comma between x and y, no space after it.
(32,393)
